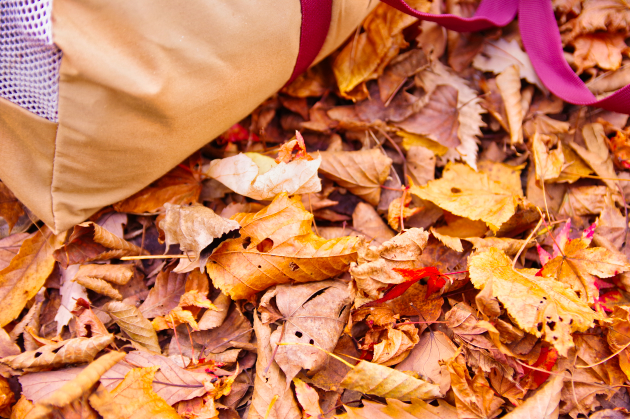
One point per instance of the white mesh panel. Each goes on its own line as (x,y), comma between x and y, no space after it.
(29,61)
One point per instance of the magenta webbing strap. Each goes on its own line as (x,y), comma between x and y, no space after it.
(541,38)
(316,16)
(490,13)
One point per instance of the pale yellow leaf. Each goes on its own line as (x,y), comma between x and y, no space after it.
(134,324)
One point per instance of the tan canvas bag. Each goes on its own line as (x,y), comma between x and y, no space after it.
(141,85)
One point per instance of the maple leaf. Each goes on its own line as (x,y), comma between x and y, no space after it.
(438,120)
(599,49)
(243,175)
(578,265)
(539,305)
(133,398)
(180,186)
(27,272)
(470,194)
(274,249)
(89,242)
(314,313)
(194,229)
(468,104)
(361,172)
(397,409)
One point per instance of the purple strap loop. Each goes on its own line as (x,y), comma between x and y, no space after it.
(541,38)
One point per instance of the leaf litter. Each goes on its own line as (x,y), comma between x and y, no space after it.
(413,228)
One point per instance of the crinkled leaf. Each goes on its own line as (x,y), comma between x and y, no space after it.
(134,324)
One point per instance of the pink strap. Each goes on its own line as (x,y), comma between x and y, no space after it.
(541,37)
(316,16)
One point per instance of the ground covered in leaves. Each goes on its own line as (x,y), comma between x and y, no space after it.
(440,238)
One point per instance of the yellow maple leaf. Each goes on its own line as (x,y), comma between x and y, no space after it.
(474,195)
(540,306)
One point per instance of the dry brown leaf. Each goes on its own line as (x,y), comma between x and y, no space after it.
(10,207)
(438,120)
(469,105)
(172,383)
(421,164)
(596,155)
(577,265)
(269,252)
(367,377)
(395,345)
(540,306)
(214,318)
(369,223)
(398,212)
(180,186)
(194,229)
(26,273)
(76,387)
(395,409)
(499,55)
(272,398)
(314,313)
(165,294)
(549,164)
(602,49)
(361,172)
(619,337)
(399,69)
(602,15)
(474,397)
(470,194)
(509,84)
(133,398)
(72,351)
(71,292)
(7,397)
(367,55)
(116,274)
(9,247)
(505,244)
(425,358)
(89,242)
(373,269)
(308,399)
(134,324)
(99,286)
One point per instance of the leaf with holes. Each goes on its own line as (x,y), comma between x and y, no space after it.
(273,249)
(539,305)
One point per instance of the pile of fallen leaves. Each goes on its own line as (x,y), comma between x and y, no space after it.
(440,238)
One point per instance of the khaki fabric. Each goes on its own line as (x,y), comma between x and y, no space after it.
(27,147)
(145,83)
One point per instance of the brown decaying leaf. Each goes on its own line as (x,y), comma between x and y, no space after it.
(10,208)
(619,337)
(9,247)
(99,286)
(272,398)
(314,313)
(26,273)
(370,378)
(540,306)
(72,351)
(276,252)
(133,398)
(180,186)
(193,228)
(602,49)
(214,318)
(474,397)
(361,172)
(89,242)
(38,385)
(134,324)
(596,153)
(116,274)
(549,164)
(438,120)
(509,84)
(172,383)
(76,387)
(165,294)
